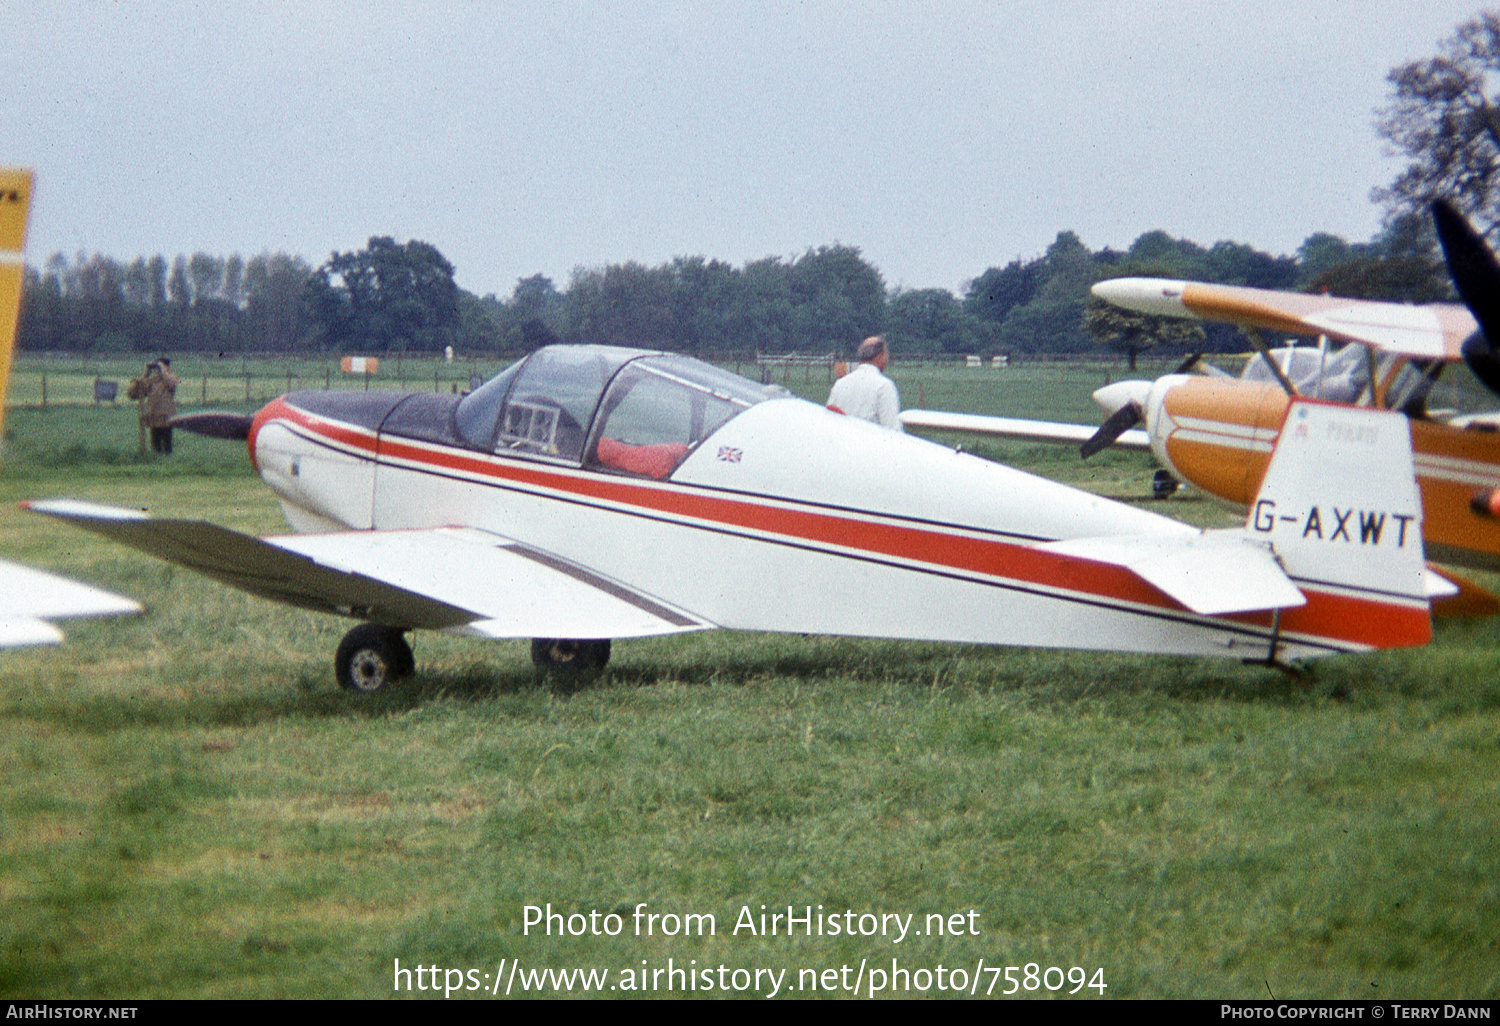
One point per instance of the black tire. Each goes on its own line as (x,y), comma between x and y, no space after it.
(568,663)
(372,657)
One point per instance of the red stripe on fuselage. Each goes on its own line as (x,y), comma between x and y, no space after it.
(1346,618)
(1358,621)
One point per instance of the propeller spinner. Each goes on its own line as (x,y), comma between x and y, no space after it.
(1127,401)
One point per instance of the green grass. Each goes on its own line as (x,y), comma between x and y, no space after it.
(189,808)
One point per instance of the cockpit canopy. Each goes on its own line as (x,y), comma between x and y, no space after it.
(1343,375)
(627,410)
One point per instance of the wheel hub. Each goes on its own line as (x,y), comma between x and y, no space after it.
(368,670)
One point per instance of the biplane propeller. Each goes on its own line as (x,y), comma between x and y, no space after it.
(1130,410)
(1476,278)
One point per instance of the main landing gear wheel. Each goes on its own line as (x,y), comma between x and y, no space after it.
(371,657)
(569,663)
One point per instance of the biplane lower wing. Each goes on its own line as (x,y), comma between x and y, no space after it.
(1016,428)
(457,579)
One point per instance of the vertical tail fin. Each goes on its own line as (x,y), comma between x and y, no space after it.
(15,204)
(1340,506)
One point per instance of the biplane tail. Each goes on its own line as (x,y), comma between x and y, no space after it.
(1340,507)
(15,204)
(30,599)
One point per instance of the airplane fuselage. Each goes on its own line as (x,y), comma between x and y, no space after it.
(786,517)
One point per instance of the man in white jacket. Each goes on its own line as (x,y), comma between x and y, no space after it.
(867,393)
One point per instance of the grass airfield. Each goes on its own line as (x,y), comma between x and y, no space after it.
(191,809)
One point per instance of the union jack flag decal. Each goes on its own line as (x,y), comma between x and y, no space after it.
(729,454)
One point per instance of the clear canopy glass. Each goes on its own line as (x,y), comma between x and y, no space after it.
(624,410)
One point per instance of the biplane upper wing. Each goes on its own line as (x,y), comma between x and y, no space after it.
(457,579)
(1015,428)
(1433,331)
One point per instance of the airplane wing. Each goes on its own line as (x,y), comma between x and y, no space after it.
(30,598)
(1011,427)
(457,579)
(1434,331)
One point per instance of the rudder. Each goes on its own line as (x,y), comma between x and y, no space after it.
(1340,506)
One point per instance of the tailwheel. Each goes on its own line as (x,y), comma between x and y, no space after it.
(371,657)
(569,663)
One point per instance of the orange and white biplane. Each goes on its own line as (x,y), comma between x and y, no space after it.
(1218,432)
(29,598)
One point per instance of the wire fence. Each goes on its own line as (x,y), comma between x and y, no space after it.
(43,380)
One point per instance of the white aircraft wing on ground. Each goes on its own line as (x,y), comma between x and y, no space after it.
(1013,427)
(457,579)
(30,598)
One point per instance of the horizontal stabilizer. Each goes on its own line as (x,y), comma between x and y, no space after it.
(1212,573)
(1439,587)
(441,578)
(1452,595)
(1013,427)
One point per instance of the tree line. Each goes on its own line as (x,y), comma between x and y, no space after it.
(400,298)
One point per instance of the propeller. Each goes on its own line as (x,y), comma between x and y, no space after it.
(1188,364)
(1115,425)
(234,427)
(1128,398)
(1476,276)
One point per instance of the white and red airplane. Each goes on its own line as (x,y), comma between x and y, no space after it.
(589,493)
(29,598)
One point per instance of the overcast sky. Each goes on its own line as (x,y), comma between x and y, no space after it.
(519,137)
